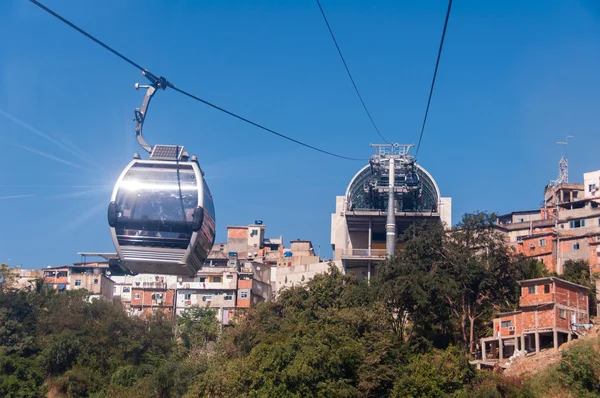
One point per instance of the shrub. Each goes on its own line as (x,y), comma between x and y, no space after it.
(580,368)
(435,374)
(61,353)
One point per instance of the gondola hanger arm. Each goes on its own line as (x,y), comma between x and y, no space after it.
(156,82)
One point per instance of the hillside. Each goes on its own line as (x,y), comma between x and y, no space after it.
(533,364)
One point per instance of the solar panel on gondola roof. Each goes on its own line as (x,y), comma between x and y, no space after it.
(166,152)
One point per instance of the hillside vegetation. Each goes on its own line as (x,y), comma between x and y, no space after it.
(407,334)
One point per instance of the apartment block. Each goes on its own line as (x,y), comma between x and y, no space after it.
(551,312)
(299,265)
(123,289)
(236,275)
(250,243)
(254,285)
(151,293)
(215,286)
(25,278)
(566,227)
(90,276)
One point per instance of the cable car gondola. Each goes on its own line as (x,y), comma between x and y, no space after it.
(161,214)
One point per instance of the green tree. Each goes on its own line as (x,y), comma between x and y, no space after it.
(197,327)
(61,354)
(8,276)
(476,274)
(408,288)
(580,368)
(578,271)
(17,323)
(455,278)
(326,338)
(435,374)
(20,377)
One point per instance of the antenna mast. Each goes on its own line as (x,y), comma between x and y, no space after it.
(563,164)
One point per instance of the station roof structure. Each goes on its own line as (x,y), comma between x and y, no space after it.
(359,198)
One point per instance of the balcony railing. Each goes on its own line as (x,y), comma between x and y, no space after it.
(215,270)
(153,285)
(208,285)
(364,253)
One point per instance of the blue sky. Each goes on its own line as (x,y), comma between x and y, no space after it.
(515,77)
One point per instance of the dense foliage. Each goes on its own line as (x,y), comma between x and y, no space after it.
(407,333)
(63,344)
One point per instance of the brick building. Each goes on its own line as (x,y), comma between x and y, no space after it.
(566,227)
(551,311)
(152,293)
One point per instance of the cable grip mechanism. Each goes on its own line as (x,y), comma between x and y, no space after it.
(156,82)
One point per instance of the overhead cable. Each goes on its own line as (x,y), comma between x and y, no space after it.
(169,84)
(437,64)
(350,74)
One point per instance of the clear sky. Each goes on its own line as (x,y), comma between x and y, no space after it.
(515,77)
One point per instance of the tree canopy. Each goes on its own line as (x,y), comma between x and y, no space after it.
(408,332)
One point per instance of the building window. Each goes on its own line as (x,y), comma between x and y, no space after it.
(506,324)
(576,223)
(126,290)
(581,296)
(77,282)
(95,281)
(229,277)
(207,297)
(530,289)
(576,246)
(563,314)
(137,296)
(542,242)
(202,280)
(187,296)
(229,297)
(521,220)
(546,289)
(216,279)
(244,295)
(592,187)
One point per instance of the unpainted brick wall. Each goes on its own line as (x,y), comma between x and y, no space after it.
(538,297)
